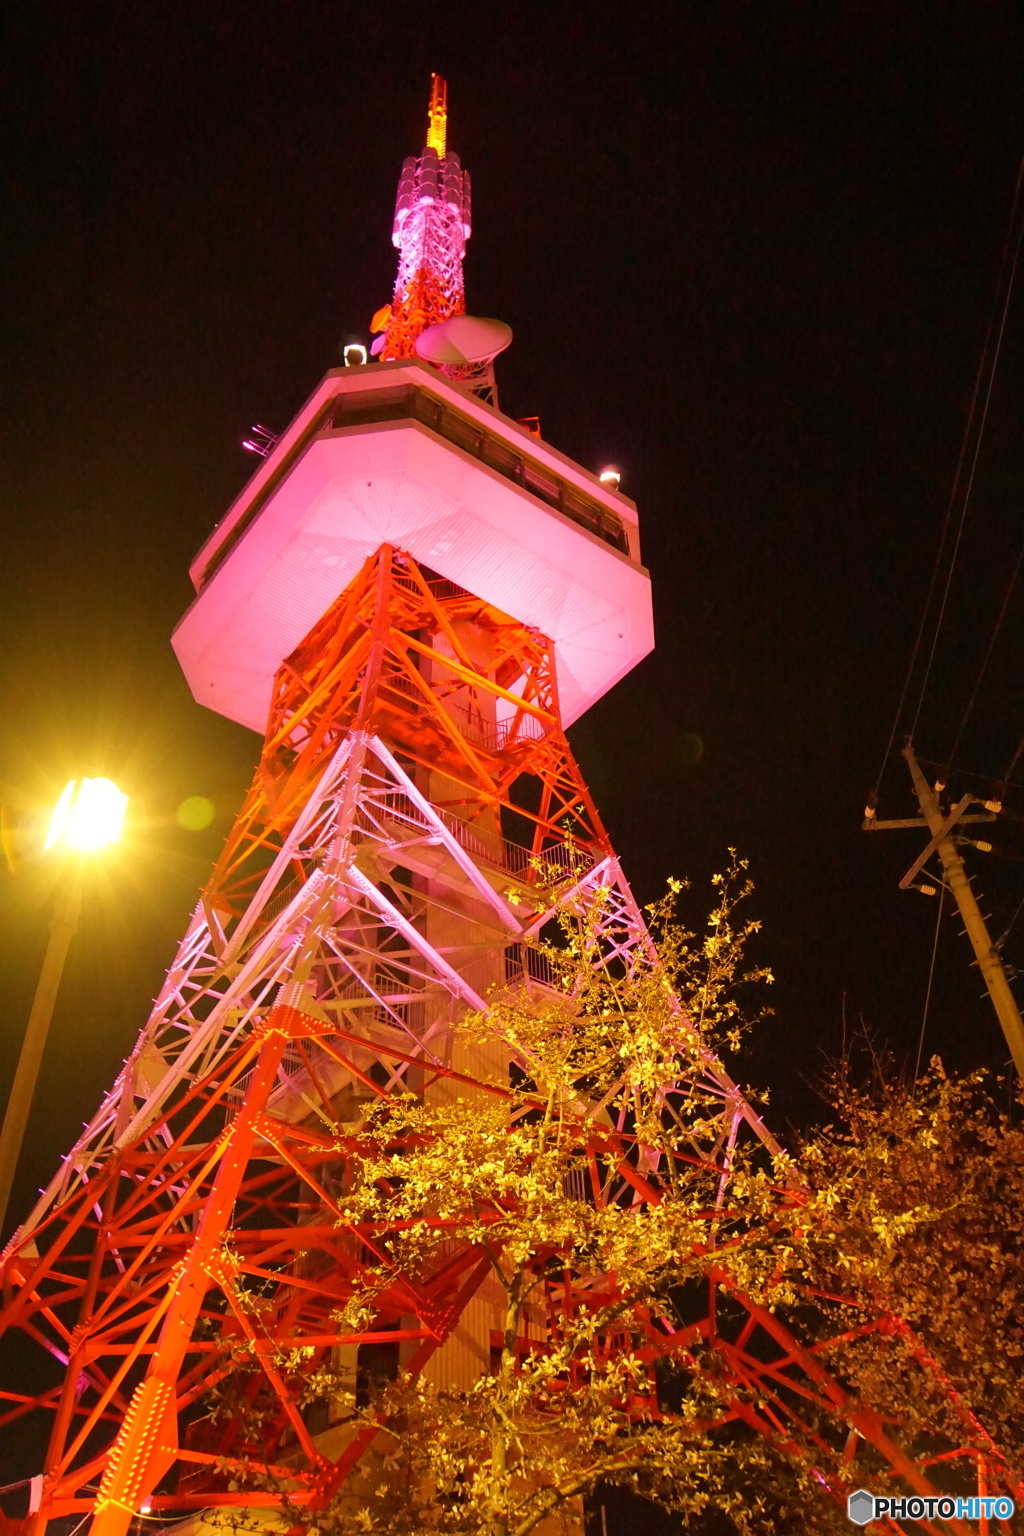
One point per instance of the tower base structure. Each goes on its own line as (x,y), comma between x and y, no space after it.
(416,822)
(402,846)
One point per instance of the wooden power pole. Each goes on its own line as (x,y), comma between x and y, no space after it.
(958,883)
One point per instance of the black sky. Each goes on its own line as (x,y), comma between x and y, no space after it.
(749,254)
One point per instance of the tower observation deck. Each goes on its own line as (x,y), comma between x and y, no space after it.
(410,601)
(396,454)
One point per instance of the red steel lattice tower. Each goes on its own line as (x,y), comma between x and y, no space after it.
(411,599)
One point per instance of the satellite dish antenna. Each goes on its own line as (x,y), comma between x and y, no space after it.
(464,341)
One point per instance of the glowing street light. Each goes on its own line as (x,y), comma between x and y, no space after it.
(88,816)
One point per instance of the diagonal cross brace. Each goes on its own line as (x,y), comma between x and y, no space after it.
(447,838)
(943,832)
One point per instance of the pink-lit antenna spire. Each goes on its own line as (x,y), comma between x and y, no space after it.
(432,225)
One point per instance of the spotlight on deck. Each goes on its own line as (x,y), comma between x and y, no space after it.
(610,477)
(354,355)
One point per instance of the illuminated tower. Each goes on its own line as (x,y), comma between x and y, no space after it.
(411,599)
(432,225)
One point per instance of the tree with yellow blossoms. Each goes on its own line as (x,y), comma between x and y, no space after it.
(912,1212)
(588,1173)
(602,1090)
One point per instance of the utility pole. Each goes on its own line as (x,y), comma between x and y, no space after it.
(958,882)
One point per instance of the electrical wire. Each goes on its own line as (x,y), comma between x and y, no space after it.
(1007,930)
(1014,760)
(982,778)
(955,489)
(931,978)
(987,657)
(916,649)
(981,427)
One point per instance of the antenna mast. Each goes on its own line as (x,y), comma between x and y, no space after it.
(432,225)
(437,132)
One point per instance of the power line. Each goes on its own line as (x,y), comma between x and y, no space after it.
(1009,927)
(1014,760)
(957,477)
(988,655)
(931,978)
(989,778)
(981,427)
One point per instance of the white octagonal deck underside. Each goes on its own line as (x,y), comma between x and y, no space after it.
(396,483)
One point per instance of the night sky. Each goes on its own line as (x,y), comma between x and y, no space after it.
(749,254)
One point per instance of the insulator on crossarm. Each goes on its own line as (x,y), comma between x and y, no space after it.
(428,178)
(467,205)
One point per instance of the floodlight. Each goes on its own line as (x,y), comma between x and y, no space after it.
(610,477)
(89,814)
(354,355)
(261,441)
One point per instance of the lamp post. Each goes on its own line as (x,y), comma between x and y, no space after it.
(88,816)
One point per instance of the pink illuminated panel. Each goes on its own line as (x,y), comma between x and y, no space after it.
(321,504)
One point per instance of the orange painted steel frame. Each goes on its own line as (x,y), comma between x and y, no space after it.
(414,766)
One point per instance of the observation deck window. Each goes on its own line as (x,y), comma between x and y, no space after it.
(411,403)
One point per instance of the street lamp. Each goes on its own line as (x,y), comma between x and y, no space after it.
(88,816)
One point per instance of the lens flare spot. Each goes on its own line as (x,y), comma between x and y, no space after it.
(195,813)
(691,748)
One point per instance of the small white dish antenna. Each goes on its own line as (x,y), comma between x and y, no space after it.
(464,341)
